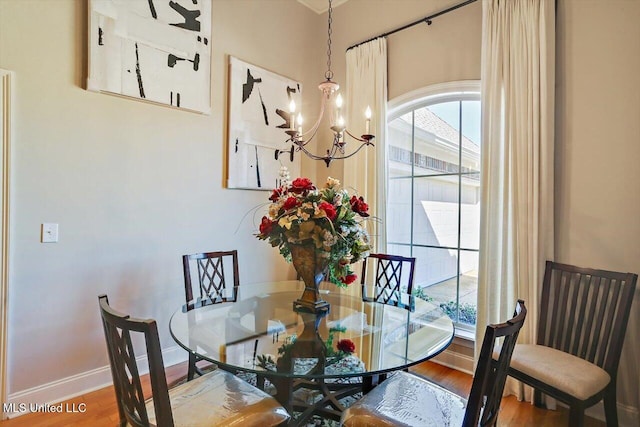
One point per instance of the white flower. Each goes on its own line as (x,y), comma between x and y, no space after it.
(332,182)
(337,200)
(286,221)
(328,239)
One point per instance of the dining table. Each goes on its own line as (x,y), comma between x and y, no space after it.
(315,363)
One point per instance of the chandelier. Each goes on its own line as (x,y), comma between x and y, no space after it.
(331,104)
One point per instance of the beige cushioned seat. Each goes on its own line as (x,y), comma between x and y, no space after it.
(423,404)
(221,399)
(561,370)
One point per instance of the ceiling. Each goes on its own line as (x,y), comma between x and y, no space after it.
(321,6)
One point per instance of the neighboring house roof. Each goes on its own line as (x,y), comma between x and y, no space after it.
(428,121)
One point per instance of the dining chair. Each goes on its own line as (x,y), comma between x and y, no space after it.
(583,317)
(391,280)
(217,278)
(405,399)
(209,278)
(215,399)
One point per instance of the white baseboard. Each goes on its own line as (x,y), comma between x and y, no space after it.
(457,361)
(76,385)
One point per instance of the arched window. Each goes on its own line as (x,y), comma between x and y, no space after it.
(433,192)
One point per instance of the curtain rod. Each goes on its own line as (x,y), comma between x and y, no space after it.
(426,19)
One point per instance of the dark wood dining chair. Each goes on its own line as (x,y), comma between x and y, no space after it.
(217,278)
(409,400)
(209,278)
(392,281)
(583,318)
(215,399)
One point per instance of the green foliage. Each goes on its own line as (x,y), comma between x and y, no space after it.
(466,312)
(420,293)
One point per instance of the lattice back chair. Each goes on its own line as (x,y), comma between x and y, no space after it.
(391,279)
(216,399)
(217,278)
(583,318)
(409,400)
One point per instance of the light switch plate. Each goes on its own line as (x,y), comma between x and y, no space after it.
(49,233)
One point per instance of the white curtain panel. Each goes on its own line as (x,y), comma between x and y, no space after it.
(516,219)
(366,172)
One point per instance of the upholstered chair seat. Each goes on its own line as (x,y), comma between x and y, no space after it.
(563,371)
(422,403)
(219,398)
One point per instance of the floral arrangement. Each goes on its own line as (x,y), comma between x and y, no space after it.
(301,214)
(344,348)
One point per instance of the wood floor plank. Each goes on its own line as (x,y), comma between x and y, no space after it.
(101,409)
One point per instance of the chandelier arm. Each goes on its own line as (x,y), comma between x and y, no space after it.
(355,137)
(309,153)
(346,156)
(316,125)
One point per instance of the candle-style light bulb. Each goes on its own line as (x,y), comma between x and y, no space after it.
(339,101)
(367,114)
(292,111)
(299,120)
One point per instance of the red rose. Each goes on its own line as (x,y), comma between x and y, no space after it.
(328,209)
(348,279)
(276,194)
(291,202)
(265,226)
(359,206)
(346,345)
(300,185)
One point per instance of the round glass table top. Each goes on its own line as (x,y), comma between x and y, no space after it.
(262,333)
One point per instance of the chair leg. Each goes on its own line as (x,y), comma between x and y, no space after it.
(538,400)
(192,367)
(610,405)
(576,416)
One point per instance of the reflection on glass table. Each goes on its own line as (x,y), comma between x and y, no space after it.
(329,355)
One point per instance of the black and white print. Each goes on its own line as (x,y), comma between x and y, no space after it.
(258,117)
(153,50)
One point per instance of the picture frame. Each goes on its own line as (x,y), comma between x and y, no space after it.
(157,51)
(257,120)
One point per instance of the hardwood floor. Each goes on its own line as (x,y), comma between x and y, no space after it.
(101,407)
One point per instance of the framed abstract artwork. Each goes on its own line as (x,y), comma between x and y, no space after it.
(153,50)
(257,118)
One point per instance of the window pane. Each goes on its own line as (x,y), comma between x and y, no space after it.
(399,140)
(468,287)
(470,212)
(435,211)
(437,139)
(399,211)
(471,126)
(434,266)
(437,280)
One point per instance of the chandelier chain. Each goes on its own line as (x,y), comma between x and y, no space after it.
(329,74)
(300,139)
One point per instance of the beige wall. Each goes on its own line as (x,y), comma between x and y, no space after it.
(132,185)
(597,151)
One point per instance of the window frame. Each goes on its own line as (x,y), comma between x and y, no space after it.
(458,91)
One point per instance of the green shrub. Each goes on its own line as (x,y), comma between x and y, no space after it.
(467,312)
